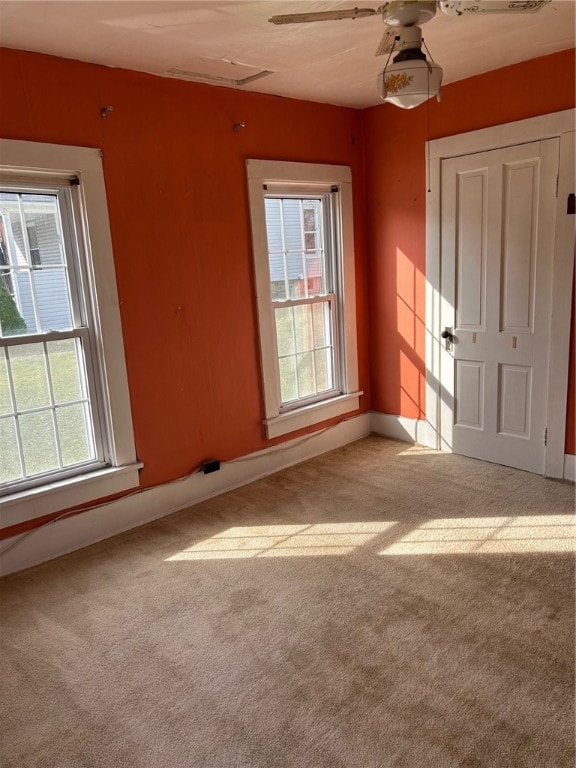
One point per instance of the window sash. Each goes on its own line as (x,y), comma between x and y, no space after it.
(94,427)
(67,209)
(285,250)
(330,347)
(68,226)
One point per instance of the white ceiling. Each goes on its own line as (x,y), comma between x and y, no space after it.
(330,62)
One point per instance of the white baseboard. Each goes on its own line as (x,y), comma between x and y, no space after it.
(81,530)
(399,427)
(569,467)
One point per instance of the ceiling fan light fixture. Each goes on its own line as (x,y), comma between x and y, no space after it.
(407,83)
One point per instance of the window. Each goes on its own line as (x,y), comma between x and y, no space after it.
(33,244)
(302,279)
(65,426)
(304,267)
(48,406)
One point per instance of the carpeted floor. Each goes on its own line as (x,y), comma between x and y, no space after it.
(382,605)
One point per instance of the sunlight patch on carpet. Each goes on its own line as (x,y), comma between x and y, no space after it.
(284,541)
(488,535)
(443,536)
(417,450)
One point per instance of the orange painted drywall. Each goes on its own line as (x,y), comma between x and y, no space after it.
(177,194)
(396,199)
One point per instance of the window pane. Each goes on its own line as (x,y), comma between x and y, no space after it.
(297,284)
(273,224)
(75,442)
(288,379)
(311,211)
(306,383)
(315,274)
(284,331)
(10,468)
(323,359)
(292,220)
(311,241)
(38,442)
(16,303)
(29,376)
(53,299)
(321,323)
(43,229)
(303,328)
(6,405)
(65,366)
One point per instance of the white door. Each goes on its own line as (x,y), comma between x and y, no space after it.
(497,247)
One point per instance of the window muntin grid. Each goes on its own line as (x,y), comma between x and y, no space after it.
(302,273)
(36,273)
(49,423)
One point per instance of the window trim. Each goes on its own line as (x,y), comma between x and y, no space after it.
(313,179)
(18,158)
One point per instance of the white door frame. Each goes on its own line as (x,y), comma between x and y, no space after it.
(557,124)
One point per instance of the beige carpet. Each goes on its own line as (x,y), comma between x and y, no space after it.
(379,606)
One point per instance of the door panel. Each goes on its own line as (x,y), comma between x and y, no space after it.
(497,246)
(469,393)
(520,211)
(471,250)
(514,398)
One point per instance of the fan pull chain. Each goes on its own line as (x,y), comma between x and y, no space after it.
(428,127)
(428,109)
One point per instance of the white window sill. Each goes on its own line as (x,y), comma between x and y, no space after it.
(312,414)
(63,494)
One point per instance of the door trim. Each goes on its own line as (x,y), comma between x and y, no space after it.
(558,124)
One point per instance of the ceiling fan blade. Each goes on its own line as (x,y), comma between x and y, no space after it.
(302,18)
(387,43)
(466,7)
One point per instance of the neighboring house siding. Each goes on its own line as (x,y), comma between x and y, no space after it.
(292,239)
(298,264)
(50,281)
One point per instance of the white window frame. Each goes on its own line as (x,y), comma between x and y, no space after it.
(121,472)
(304,179)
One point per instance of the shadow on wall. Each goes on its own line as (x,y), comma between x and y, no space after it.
(411,331)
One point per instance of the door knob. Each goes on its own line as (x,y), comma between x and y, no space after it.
(449,337)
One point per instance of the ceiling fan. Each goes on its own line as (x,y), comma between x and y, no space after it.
(411,78)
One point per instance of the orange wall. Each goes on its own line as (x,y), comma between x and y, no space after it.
(176,185)
(396,199)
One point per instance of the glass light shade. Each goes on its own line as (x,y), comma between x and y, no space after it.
(409,83)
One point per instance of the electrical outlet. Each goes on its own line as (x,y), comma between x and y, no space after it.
(210,465)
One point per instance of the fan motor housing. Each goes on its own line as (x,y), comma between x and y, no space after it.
(406,13)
